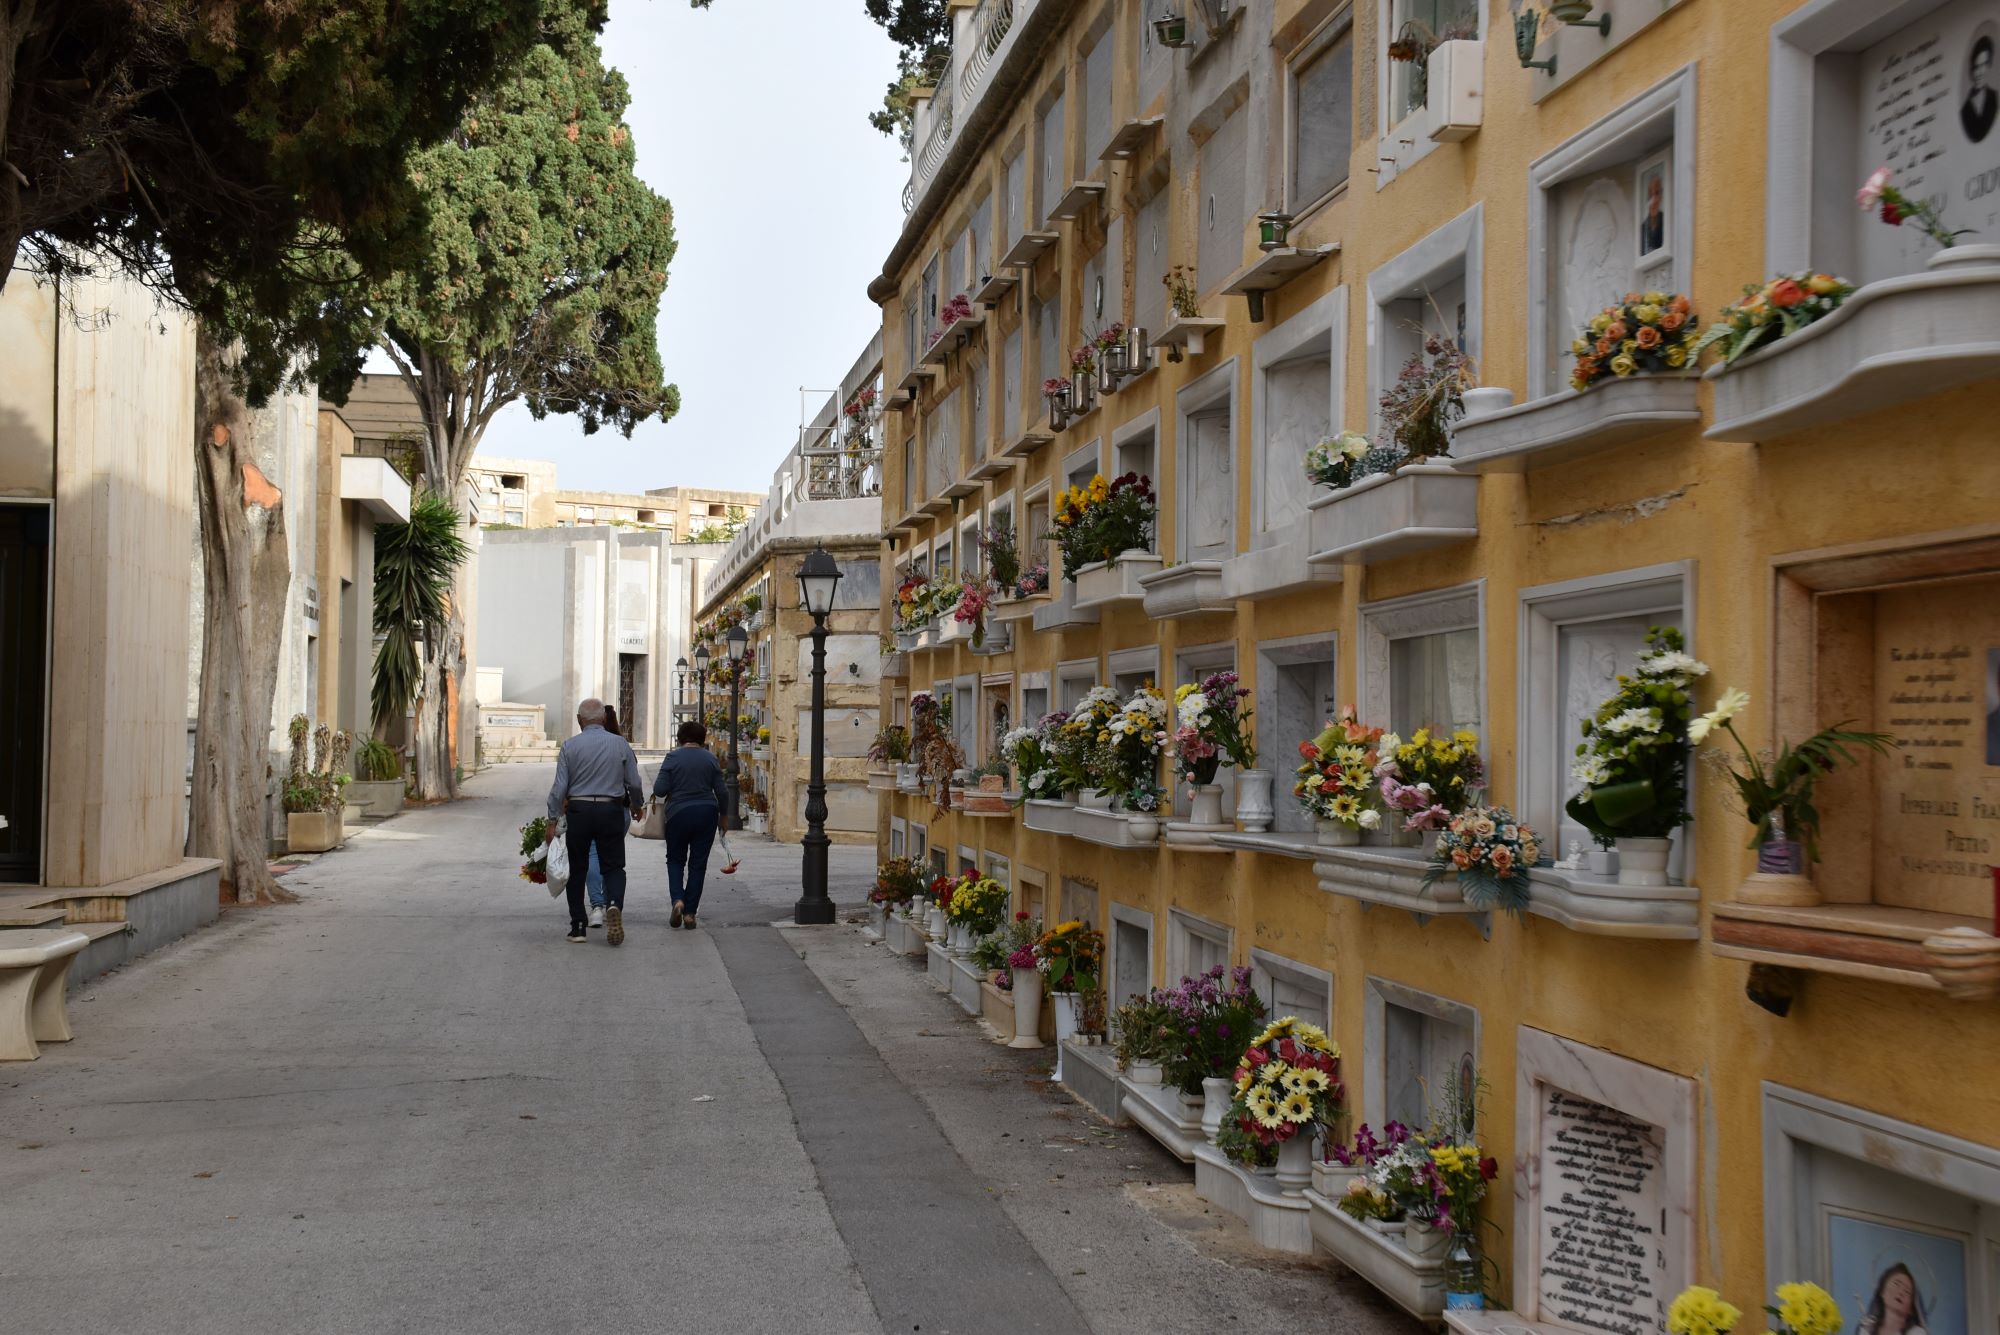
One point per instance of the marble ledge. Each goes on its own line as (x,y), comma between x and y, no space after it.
(1165,1114)
(1416,508)
(1185,589)
(1284,566)
(1882,943)
(1277,1220)
(1414,1283)
(1573,425)
(1302,847)
(1394,878)
(1893,342)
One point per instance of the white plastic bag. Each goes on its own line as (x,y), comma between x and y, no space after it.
(557,855)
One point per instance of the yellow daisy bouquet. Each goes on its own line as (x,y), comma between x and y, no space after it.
(1431,777)
(1801,1309)
(979,903)
(1287,1083)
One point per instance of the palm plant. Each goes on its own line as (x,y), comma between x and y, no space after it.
(414,565)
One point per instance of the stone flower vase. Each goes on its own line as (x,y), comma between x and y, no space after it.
(1206,808)
(1069,1010)
(1095,799)
(1253,800)
(1217,1092)
(1335,833)
(1295,1164)
(1643,861)
(1027,1009)
(1429,842)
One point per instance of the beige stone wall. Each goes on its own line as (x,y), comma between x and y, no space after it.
(27,389)
(123,425)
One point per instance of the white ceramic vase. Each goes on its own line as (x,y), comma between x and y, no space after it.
(1069,1008)
(1095,799)
(1484,399)
(1253,800)
(1643,861)
(1145,828)
(1295,1165)
(1216,1094)
(1027,1009)
(1206,808)
(1335,833)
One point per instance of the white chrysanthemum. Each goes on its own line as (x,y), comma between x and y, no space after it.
(1192,706)
(1633,720)
(1590,770)
(1672,663)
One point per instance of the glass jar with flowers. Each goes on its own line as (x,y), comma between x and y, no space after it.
(1210,732)
(1427,780)
(1335,781)
(1632,762)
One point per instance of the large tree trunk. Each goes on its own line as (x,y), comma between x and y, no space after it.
(246,575)
(443,665)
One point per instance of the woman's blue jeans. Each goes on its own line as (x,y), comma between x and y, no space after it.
(593,882)
(690,834)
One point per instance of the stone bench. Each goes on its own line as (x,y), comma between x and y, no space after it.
(33,969)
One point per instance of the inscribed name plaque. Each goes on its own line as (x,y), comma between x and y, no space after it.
(1601,1217)
(1603,1187)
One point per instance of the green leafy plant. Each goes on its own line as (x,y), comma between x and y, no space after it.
(1774,792)
(414,566)
(1632,761)
(376,760)
(315,782)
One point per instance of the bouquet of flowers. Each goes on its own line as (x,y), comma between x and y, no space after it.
(1083,359)
(1896,208)
(1144,1030)
(1429,777)
(1287,1083)
(1067,751)
(978,902)
(1098,521)
(1208,731)
(897,881)
(1210,1018)
(1079,744)
(958,308)
(1437,1178)
(1646,333)
(1801,1309)
(1070,956)
(1774,792)
(943,885)
(1491,853)
(534,847)
(891,745)
(1003,558)
(971,610)
(1033,579)
(994,955)
(1783,306)
(1129,749)
(1632,761)
(1336,773)
(1336,460)
(912,601)
(1426,398)
(1025,750)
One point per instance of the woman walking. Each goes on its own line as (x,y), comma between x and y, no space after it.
(690,779)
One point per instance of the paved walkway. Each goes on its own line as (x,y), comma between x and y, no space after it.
(406,1104)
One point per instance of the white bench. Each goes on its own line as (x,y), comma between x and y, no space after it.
(34,966)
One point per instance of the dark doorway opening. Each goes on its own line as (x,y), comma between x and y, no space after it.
(24,641)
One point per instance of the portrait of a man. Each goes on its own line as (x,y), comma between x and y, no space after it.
(1977,113)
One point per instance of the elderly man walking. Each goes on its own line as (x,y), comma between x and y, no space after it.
(597,786)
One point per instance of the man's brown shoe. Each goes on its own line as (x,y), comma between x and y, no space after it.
(675,921)
(614,923)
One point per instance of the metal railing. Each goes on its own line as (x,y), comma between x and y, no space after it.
(837,472)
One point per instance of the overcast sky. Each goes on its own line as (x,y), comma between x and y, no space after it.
(750,117)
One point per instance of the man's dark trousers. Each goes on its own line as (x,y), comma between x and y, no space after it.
(603,824)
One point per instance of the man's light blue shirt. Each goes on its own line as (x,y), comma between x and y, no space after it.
(595,763)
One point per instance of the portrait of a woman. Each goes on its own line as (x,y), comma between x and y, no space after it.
(1897,1308)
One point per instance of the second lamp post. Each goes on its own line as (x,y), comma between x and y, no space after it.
(737,640)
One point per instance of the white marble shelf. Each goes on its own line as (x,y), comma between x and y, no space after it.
(950,630)
(1189,331)
(1060,612)
(1047,815)
(1394,878)
(1185,589)
(1024,252)
(1416,508)
(1599,907)
(1131,137)
(1572,425)
(1017,609)
(1300,846)
(1028,441)
(1114,829)
(1165,1114)
(1497,1321)
(1278,1221)
(965,486)
(881,781)
(1281,568)
(1892,342)
(1080,196)
(992,466)
(993,287)
(1187,837)
(1413,1283)
(1102,583)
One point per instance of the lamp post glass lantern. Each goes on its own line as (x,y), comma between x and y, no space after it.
(701,681)
(818,578)
(736,641)
(680,683)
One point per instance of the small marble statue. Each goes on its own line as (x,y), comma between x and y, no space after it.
(1574,861)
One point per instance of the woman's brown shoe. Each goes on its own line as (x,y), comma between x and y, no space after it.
(675,921)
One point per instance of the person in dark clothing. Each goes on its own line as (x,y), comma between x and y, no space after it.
(593,883)
(690,779)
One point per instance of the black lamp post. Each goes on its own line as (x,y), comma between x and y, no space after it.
(701,680)
(680,684)
(737,641)
(818,576)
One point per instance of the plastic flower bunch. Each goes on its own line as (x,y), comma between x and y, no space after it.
(1335,779)
(1129,748)
(1632,761)
(1878,195)
(1336,460)
(1430,777)
(897,881)
(1390,1171)
(1701,1311)
(1070,956)
(1490,852)
(978,902)
(1648,333)
(1208,728)
(1457,1176)
(1782,306)
(1033,579)
(1287,1083)
(1804,1309)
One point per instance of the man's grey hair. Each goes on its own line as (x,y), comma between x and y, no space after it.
(590,711)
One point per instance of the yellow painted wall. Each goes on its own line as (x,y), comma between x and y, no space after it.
(1929,467)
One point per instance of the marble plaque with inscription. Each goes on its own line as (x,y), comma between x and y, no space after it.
(1601,1218)
(1930,112)
(1937,689)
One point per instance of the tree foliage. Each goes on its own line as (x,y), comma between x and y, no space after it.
(543,257)
(221,150)
(414,566)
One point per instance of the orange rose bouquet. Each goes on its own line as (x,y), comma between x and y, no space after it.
(1648,333)
(1783,306)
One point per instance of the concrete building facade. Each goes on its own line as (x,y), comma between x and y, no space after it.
(522,493)
(1074,170)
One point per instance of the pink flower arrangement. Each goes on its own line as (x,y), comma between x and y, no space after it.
(1879,194)
(1033,580)
(1055,385)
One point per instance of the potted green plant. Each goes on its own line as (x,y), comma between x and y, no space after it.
(378,778)
(1632,762)
(313,792)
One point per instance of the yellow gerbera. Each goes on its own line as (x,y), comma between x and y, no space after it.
(1313,1082)
(1297,1108)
